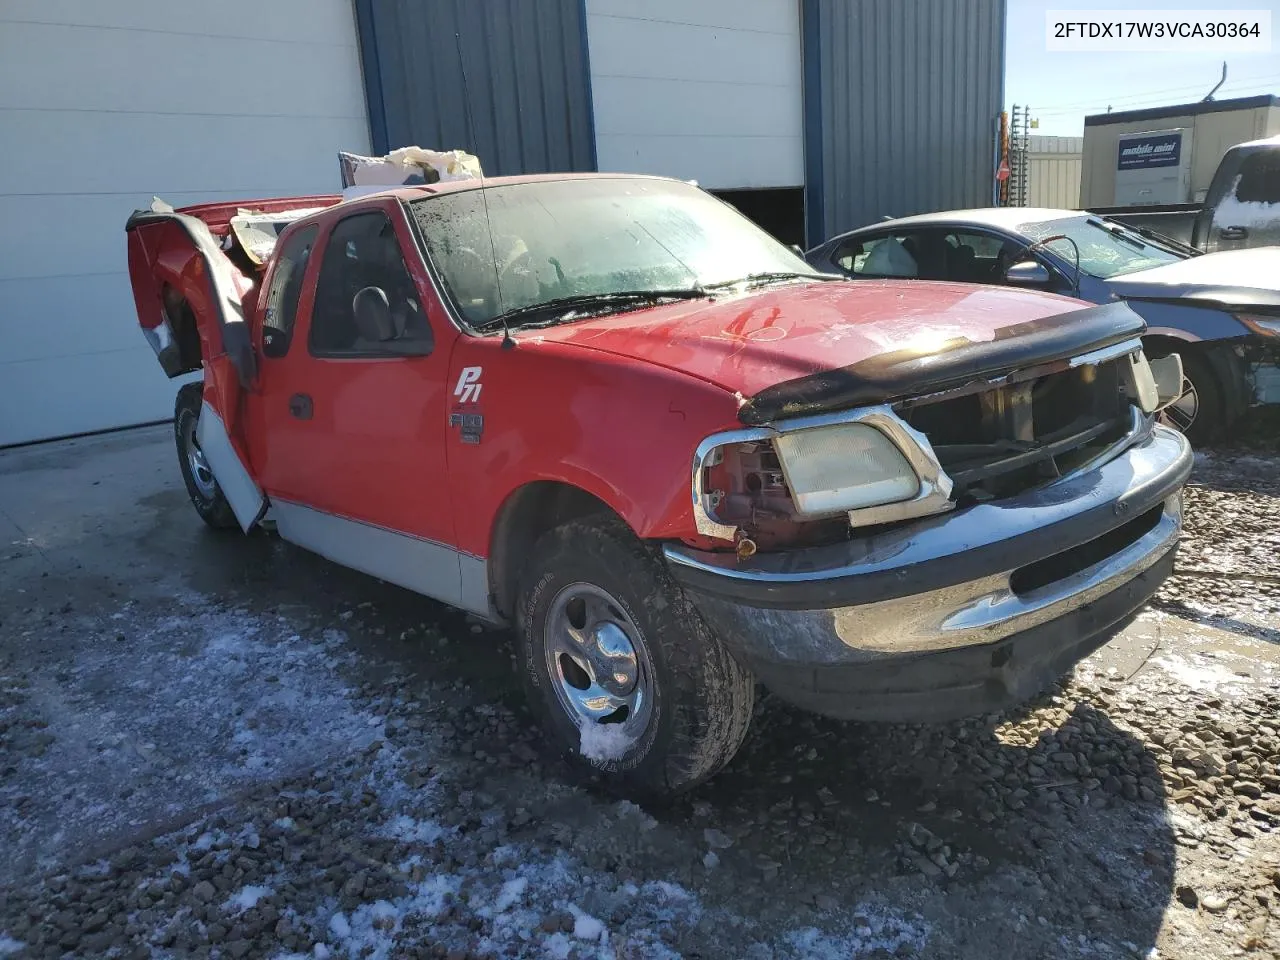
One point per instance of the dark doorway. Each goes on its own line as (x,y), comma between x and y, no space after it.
(780,210)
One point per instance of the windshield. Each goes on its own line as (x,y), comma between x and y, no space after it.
(558,239)
(1106,248)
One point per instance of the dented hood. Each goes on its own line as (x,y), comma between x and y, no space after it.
(1231,278)
(806,348)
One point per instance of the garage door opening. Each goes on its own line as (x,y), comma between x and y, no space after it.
(780,210)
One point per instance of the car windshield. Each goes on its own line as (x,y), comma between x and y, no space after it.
(1107,249)
(512,247)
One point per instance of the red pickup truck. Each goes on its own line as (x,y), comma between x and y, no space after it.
(610,411)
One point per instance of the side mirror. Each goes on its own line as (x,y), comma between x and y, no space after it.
(1169,379)
(1028,273)
(795,248)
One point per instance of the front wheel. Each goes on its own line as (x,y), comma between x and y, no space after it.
(206,496)
(623,672)
(1200,412)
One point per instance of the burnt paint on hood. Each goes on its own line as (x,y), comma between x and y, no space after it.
(804,348)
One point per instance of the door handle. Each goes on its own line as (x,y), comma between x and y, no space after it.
(300,406)
(1233,233)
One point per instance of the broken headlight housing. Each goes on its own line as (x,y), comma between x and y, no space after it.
(867,464)
(846,466)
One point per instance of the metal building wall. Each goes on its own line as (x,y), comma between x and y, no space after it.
(1053,171)
(901,99)
(525,67)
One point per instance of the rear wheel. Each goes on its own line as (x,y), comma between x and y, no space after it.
(623,672)
(203,489)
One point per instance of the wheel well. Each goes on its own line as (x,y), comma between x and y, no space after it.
(1219,355)
(182,321)
(1160,345)
(525,516)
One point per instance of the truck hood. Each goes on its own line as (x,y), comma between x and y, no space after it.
(808,348)
(1231,278)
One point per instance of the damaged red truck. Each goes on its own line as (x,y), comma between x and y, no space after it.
(613,413)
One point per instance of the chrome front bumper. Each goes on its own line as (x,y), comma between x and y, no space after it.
(958,613)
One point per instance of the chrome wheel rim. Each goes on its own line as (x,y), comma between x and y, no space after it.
(598,662)
(1181,414)
(201,475)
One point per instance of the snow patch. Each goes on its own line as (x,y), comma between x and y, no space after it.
(603,741)
(204,842)
(1244,213)
(413,830)
(669,891)
(511,893)
(247,897)
(9,946)
(872,933)
(339,926)
(587,927)
(1197,676)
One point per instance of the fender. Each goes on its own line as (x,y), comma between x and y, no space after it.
(1173,333)
(1187,321)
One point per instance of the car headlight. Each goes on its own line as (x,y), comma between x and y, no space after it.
(845,466)
(1267,326)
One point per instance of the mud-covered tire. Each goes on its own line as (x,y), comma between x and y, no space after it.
(206,496)
(700,699)
(1206,419)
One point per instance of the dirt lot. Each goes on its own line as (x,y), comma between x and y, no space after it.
(216,746)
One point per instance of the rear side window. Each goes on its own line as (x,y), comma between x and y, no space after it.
(1259,178)
(285,291)
(366,303)
(879,257)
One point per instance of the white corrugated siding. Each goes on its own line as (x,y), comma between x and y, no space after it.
(1053,175)
(709,91)
(103,105)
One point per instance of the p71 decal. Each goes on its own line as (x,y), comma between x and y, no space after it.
(468,386)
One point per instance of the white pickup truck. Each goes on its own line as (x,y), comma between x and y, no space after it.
(1241,209)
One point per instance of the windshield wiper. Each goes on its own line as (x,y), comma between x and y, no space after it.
(588,301)
(1120,233)
(773,276)
(1177,246)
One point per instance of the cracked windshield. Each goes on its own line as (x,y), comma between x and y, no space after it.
(504,248)
(1105,249)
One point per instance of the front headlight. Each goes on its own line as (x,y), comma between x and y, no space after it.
(845,466)
(1267,326)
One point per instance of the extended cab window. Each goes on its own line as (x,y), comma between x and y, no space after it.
(366,303)
(285,290)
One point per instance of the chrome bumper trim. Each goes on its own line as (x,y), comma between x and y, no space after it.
(944,582)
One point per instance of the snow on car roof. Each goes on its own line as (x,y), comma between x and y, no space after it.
(450,186)
(1007,218)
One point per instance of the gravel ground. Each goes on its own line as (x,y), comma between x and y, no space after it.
(223,747)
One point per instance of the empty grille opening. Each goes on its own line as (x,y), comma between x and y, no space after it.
(999,441)
(1070,562)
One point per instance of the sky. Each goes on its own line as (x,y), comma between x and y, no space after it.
(1063,88)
